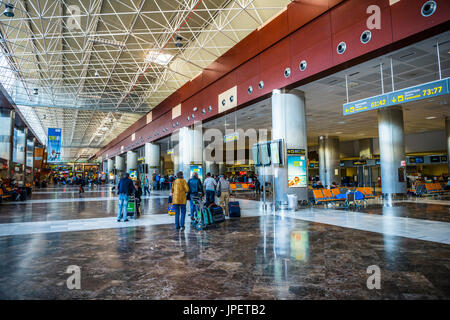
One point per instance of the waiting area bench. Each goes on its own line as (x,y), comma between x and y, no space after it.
(4,196)
(341,196)
(237,186)
(430,189)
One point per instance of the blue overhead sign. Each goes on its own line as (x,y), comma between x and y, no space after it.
(423,91)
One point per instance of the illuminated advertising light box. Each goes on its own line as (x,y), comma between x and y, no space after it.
(54,145)
(196,168)
(297,171)
(133,175)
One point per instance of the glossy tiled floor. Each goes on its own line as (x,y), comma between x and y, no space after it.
(309,254)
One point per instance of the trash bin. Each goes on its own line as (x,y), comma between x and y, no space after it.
(292,201)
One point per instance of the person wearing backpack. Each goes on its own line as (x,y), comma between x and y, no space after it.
(195,190)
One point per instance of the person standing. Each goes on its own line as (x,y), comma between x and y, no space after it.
(178,192)
(195,190)
(146,186)
(81,188)
(210,188)
(137,196)
(224,188)
(124,189)
(161,183)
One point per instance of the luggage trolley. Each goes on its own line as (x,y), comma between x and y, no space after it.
(132,207)
(202,217)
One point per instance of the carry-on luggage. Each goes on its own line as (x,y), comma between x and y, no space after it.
(170,209)
(234,210)
(216,214)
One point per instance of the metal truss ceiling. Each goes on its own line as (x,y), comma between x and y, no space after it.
(99,65)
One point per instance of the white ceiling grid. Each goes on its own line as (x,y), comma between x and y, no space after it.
(98,69)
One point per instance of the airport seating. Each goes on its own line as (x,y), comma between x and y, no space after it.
(318,197)
(237,186)
(325,196)
(367,192)
(428,189)
(339,196)
(4,196)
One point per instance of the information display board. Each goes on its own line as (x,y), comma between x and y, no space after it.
(255,153)
(264,152)
(276,152)
(419,92)
(196,168)
(297,170)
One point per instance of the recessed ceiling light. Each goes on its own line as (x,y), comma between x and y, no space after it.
(429,118)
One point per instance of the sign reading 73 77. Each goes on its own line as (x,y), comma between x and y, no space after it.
(422,91)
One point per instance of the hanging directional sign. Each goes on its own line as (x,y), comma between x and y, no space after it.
(422,91)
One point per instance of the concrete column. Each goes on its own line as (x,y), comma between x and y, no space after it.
(190,149)
(447,131)
(110,165)
(329,160)
(289,124)
(392,150)
(152,157)
(366,148)
(120,164)
(211,167)
(222,168)
(131,161)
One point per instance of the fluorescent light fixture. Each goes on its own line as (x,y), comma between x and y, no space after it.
(158,57)
(429,118)
(108,42)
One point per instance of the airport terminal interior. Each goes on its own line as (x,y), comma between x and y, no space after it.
(314,137)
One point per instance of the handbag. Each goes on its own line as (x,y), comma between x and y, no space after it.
(188,196)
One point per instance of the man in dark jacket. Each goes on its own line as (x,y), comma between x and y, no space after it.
(195,190)
(124,189)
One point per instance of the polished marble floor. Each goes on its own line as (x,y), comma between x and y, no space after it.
(309,254)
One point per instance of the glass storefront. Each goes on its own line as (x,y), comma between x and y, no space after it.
(5,127)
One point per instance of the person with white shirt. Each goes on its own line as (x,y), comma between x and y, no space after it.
(210,188)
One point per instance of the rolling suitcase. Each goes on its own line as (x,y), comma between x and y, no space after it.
(234,210)
(217,214)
